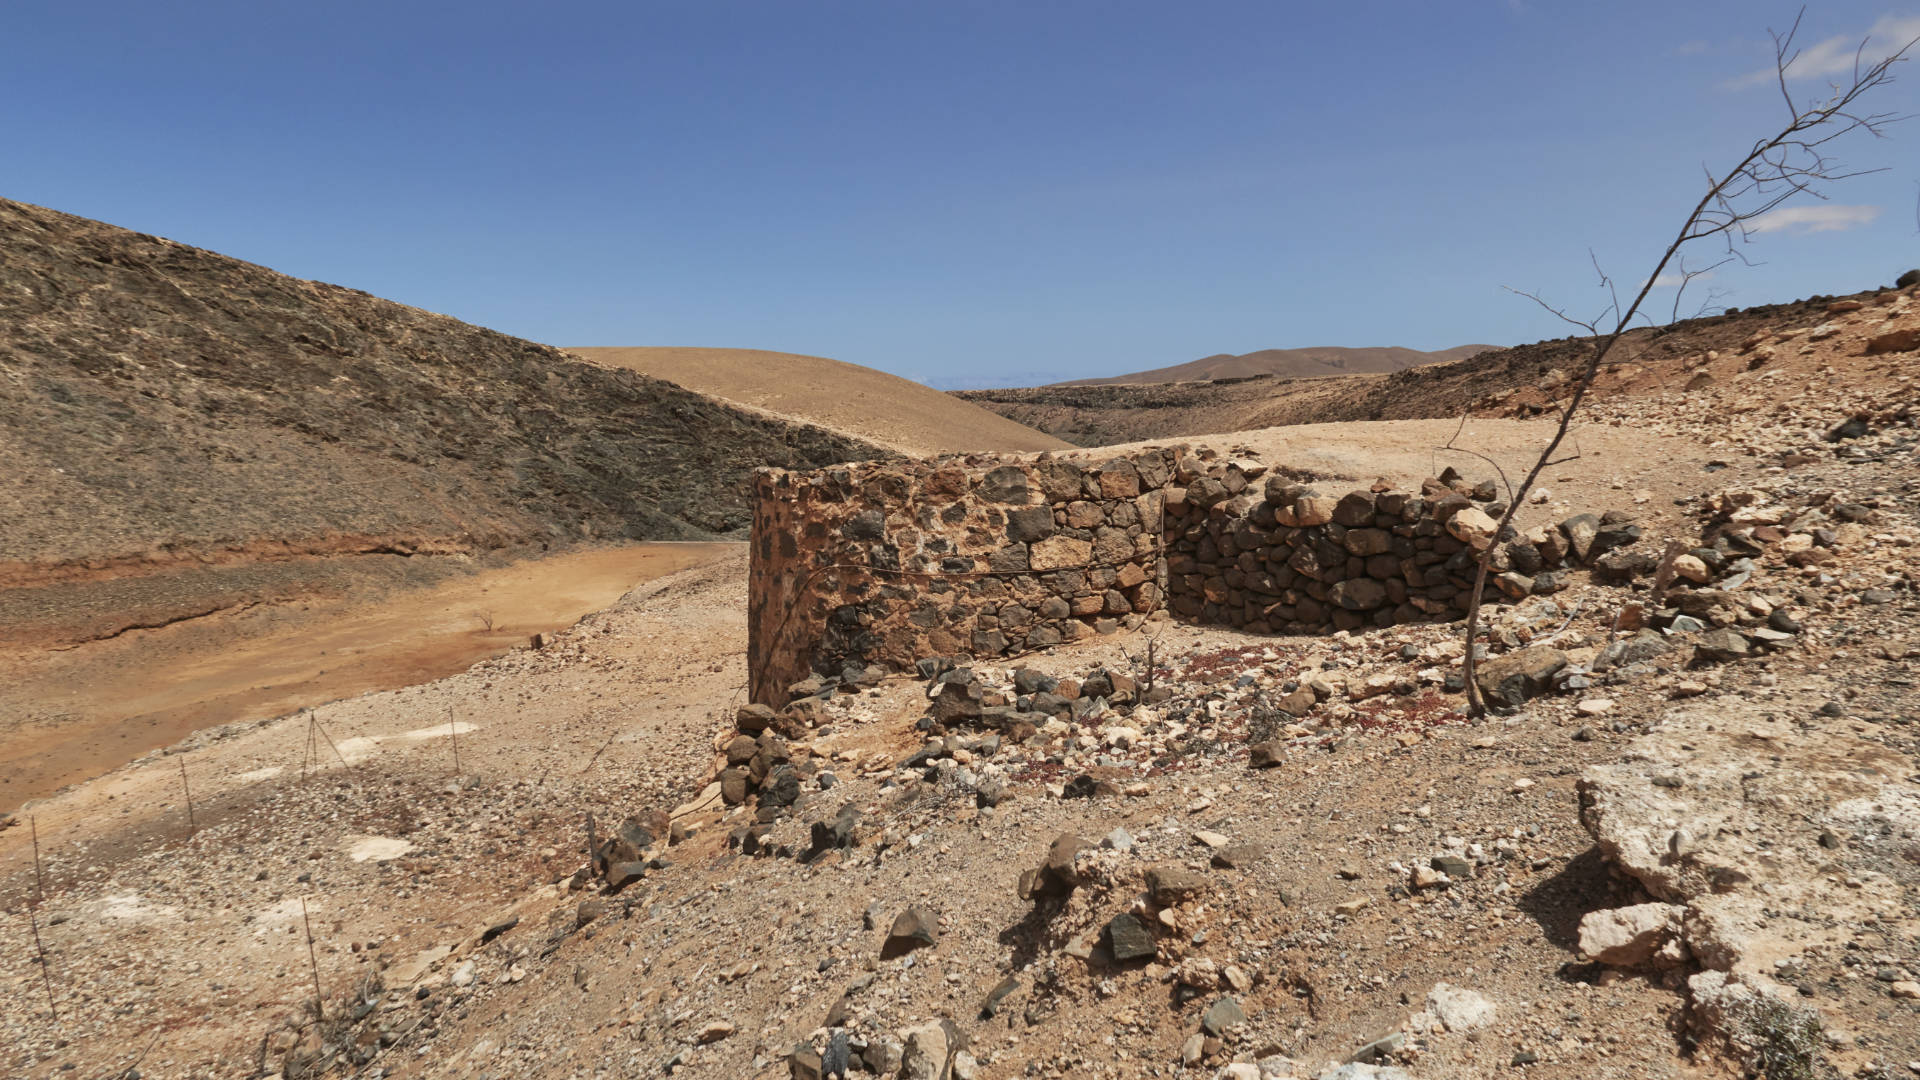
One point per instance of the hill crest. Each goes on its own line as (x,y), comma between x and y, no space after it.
(855,401)
(1312,361)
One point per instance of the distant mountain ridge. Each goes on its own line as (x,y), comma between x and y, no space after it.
(1309,362)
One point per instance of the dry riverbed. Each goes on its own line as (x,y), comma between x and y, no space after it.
(71,714)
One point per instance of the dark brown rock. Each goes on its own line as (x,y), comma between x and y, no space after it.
(1518,677)
(914,928)
(1170,884)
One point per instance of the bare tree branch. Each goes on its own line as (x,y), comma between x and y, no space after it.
(1687,277)
(1790,163)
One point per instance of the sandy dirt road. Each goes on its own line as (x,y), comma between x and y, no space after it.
(80,712)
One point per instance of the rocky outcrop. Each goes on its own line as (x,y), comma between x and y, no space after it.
(1737,825)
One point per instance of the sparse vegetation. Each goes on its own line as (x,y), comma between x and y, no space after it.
(1784,1040)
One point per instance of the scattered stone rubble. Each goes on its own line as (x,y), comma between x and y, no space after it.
(1143,903)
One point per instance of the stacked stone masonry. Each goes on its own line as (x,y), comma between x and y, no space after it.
(1291,560)
(881,565)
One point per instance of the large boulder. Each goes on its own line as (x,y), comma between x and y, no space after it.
(1580,530)
(1308,511)
(1459,1009)
(1512,680)
(1645,645)
(1130,938)
(1751,1023)
(1059,553)
(1006,484)
(1057,876)
(1207,491)
(1030,523)
(1721,645)
(1894,341)
(1171,884)
(1358,594)
(1355,509)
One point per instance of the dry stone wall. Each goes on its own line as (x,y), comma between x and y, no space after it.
(1281,557)
(882,565)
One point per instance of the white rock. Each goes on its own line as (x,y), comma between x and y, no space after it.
(1598,706)
(376,848)
(1459,1009)
(1632,936)
(1357,1071)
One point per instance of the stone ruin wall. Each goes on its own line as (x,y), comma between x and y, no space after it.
(883,564)
(1283,558)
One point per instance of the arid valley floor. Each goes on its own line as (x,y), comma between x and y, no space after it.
(355,766)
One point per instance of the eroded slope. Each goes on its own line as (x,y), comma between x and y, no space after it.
(162,401)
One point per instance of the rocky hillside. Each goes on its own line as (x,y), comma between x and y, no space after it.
(162,403)
(1291,363)
(1517,381)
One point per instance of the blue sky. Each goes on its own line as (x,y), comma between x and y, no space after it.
(976,193)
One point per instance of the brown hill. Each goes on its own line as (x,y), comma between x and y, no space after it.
(857,401)
(1290,363)
(166,398)
(1517,381)
(187,432)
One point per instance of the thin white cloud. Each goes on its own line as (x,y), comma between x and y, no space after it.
(1812,219)
(1837,55)
(1673,279)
